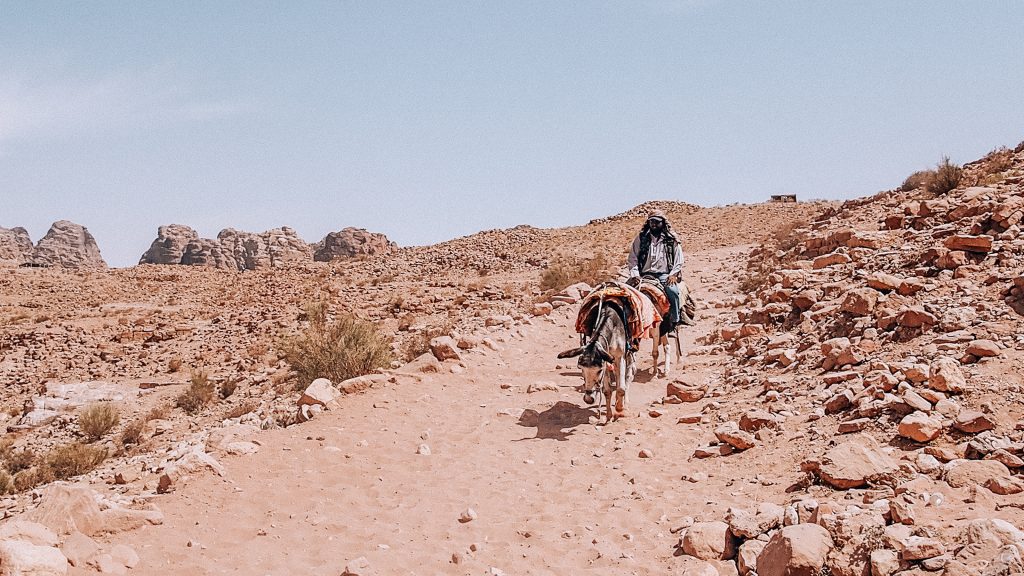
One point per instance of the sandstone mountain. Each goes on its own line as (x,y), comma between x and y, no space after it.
(15,246)
(279,247)
(350,243)
(65,245)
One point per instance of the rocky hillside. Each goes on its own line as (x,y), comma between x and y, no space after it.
(65,245)
(849,407)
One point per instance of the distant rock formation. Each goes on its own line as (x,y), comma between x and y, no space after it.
(15,246)
(169,246)
(66,245)
(351,242)
(273,248)
(231,250)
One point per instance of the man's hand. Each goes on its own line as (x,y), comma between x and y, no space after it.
(672,280)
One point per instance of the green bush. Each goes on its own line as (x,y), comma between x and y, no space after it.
(337,350)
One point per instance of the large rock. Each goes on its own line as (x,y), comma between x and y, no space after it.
(973,422)
(855,463)
(964,473)
(67,508)
(18,558)
(169,246)
(349,243)
(710,541)
(945,375)
(690,566)
(231,250)
(445,348)
(67,245)
(751,525)
(798,550)
(273,248)
(32,532)
(319,392)
(969,243)
(920,427)
(15,246)
(859,301)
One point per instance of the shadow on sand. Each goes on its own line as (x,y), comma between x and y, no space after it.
(557,422)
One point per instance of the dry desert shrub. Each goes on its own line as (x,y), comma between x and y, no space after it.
(337,350)
(17,460)
(419,343)
(917,180)
(35,476)
(174,364)
(561,274)
(132,433)
(97,419)
(158,413)
(74,459)
(240,410)
(228,387)
(999,160)
(6,483)
(946,177)
(200,392)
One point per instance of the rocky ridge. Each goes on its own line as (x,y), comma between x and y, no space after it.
(276,248)
(65,245)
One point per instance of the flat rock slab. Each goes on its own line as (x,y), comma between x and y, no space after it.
(855,463)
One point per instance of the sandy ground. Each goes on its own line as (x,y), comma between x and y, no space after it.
(553,492)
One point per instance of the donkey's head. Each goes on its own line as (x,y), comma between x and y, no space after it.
(593,362)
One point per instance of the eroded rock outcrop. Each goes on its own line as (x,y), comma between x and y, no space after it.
(170,244)
(351,242)
(67,245)
(231,250)
(15,246)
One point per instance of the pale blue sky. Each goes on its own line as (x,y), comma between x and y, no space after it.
(430,120)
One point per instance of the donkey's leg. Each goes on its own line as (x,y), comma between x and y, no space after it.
(663,342)
(608,404)
(655,351)
(620,391)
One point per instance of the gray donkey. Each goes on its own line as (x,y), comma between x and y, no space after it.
(605,361)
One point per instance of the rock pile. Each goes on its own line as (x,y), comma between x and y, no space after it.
(893,318)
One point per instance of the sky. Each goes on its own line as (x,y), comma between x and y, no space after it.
(432,120)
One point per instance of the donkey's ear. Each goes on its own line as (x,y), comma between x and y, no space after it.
(571,353)
(604,355)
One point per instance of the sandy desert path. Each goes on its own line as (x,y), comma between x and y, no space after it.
(552,492)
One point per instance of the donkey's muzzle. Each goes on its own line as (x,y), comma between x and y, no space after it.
(588,397)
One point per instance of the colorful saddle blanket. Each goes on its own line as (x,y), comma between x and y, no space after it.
(639,314)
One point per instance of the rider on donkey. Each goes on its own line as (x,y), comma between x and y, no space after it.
(656,253)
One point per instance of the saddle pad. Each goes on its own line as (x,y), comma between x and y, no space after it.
(654,291)
(642,314)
